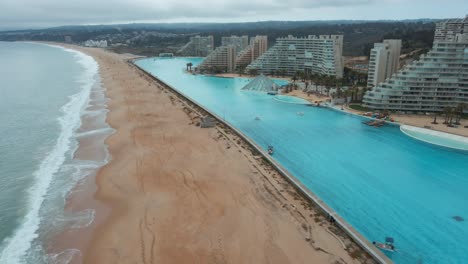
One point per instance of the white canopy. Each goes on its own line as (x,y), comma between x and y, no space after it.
(261,84)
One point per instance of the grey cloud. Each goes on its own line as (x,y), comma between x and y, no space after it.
(23,13)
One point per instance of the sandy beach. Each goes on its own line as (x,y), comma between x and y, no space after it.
(424,122)
(313,98)
(176,193)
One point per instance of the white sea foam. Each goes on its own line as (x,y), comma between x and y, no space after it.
(77,219)
(63,257)
(20,242)
(95,112)
(105,130)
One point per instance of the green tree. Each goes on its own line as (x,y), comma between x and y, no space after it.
(253,72)
(447,115)
(459,112)
(294,78)
(435,119)
(283,72)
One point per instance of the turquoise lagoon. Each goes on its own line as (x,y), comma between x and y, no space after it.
(381,181)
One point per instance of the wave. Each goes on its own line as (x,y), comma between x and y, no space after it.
(77,219)
(63,257)
(70,120)
(105,130)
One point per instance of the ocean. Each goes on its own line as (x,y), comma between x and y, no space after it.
(46,94)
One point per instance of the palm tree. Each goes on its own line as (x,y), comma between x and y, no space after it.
(283,72)
(253,72)
(300,75)
(435,119)
(363,92)
(294,78)
(339,92)
(328,81)
(447,114)
(459,112)
(321,80)
(240,70)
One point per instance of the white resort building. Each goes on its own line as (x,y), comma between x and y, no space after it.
(227,58)
(449,29)
(222,59)
(384,60)
(439,79)
(313,54)
(96,43)
(240,43)
(258,46)
(197,46)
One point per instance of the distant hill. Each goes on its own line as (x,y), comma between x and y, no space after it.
(150,39)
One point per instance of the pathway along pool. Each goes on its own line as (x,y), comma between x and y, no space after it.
(381,181)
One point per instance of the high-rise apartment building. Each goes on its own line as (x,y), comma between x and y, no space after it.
(313,54)
(439,79)
(384,60)
(240,43)
(222,59)
(258,46)
(197,46)
(449,29)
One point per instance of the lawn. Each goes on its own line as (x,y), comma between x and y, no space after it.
(359,108)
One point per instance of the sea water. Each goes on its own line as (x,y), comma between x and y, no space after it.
(44,93)
(379,180)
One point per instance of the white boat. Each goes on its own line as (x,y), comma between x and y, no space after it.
(387,246)
(270,150)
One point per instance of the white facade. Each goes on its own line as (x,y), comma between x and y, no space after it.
(222,59)
(449,29)
(384,60)
(96,43)
(258,46)
(439,79)
(240,43)
(313,54)
(197,46)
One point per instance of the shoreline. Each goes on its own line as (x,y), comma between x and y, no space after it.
(156,172)
(91,154)
(74,156)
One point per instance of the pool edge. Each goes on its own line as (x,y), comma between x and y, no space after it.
(405,128)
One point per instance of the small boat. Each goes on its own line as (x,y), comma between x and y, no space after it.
(300,113)
(387,246)
(270,150)
(257,118)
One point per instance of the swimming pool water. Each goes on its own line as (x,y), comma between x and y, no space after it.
(291,99)
(381,181)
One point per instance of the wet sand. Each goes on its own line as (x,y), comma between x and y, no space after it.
(176,193)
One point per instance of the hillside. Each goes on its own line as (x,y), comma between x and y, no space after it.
(150,39)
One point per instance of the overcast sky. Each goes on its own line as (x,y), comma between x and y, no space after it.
(46,13)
